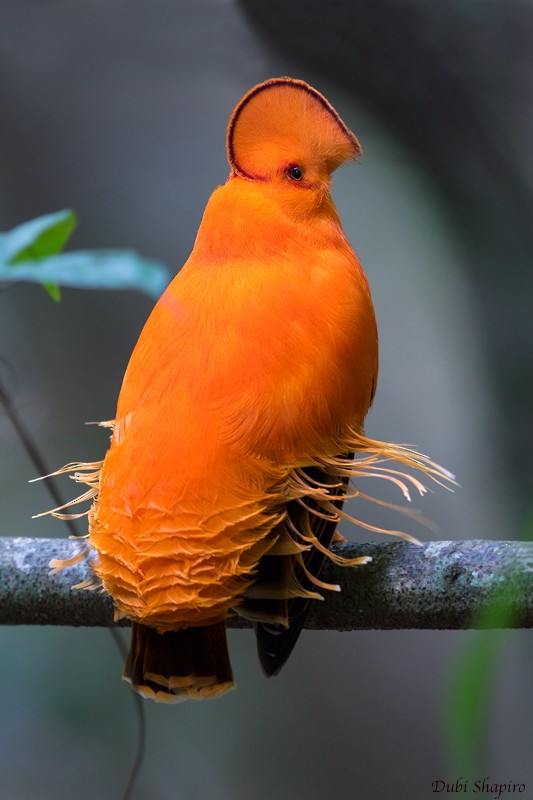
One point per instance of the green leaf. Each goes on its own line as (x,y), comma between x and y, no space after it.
(472,683)
(53,291)
(31,252)
(469,703)
(38,238)
(92,269)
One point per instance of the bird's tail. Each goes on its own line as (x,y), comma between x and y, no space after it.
(178,665)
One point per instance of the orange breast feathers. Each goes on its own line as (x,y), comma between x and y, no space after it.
(260,357)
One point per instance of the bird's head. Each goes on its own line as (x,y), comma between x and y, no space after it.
(286,133)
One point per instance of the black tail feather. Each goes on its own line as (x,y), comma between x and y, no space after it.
(275,642)
(177,665)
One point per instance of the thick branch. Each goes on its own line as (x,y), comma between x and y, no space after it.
(437,585)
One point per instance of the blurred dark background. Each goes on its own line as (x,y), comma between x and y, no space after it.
(118,110)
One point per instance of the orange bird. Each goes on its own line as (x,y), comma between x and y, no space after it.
(241,411)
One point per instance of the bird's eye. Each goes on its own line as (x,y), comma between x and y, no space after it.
(295,173)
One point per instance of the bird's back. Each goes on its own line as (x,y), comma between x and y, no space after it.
(230,386)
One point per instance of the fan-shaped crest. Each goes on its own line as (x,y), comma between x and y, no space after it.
(284,121)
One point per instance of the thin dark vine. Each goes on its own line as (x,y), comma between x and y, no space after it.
(43,469)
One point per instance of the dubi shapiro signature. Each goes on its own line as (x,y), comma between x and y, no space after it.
(482,786)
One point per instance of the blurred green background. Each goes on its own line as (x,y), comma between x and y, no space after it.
(118,110)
